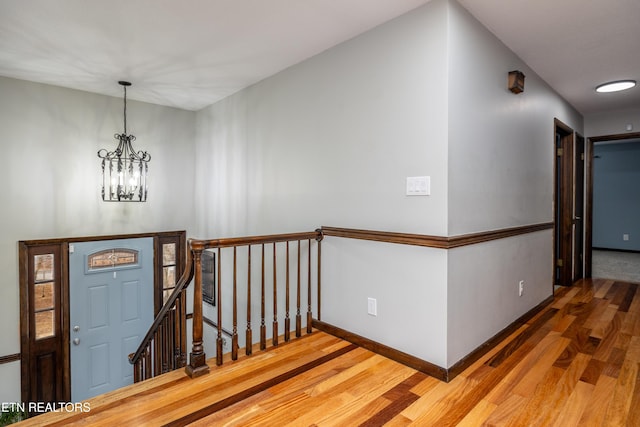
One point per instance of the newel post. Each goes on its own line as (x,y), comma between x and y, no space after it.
(197,360)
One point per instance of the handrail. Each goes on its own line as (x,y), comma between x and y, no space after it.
(256,240)
(215,325)
(182,284)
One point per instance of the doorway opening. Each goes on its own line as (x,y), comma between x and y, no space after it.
(614,175)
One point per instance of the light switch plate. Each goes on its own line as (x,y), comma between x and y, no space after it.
(372,306)
(418,185)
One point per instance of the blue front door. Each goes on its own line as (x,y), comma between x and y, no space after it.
(111,309)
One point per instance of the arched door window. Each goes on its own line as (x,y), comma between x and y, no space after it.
(112,258)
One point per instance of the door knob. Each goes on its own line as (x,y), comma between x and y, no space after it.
(76,341)
(76,328)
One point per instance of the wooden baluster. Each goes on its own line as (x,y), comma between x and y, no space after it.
(319,240)
(162,335)
(170,334)
(234,336)
(161,343)
(157,352)
(248,335)
(309,291)
(177,333)
(274,338)
(176,339)
(263,327)
(154,350)
(287,321)
(141,366)
(197,364)
(183,329)
(136,372)
(219,340)
(172,344)
(298,316)
(147,363)
(167,350)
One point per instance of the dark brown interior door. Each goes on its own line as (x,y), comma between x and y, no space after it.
(564,197)
(578,209)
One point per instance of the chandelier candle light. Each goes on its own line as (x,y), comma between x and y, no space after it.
(124,170)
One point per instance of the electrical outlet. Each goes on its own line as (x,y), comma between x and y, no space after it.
(625,237)
(372,306)
(521,288)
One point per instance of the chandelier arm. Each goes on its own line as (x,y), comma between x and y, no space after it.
(143,156)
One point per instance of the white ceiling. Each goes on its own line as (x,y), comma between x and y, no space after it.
(191,53)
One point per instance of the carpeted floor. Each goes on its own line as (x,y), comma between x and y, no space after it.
(623,266)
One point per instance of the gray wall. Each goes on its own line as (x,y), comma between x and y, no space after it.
(50,139)
(500,175)
(612,122)
(331,140)
(616,195)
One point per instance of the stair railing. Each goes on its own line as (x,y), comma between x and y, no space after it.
(163,348)
(270,288)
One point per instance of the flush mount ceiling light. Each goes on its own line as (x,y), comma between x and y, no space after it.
(124,170)
(616,86)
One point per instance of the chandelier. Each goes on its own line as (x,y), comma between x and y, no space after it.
(124,170)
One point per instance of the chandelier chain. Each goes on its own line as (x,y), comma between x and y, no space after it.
(125,109)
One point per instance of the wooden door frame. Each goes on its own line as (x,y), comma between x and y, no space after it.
(63,368)
(579,162)
(588,239)
(563,205)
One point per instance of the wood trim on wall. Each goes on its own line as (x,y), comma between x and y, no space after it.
(492,342)
(438,372)
(615,137)
(9,358)
(588,208)
(57,241)
(386,351)
(438,242)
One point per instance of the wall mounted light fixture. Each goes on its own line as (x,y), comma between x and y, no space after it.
(516,81)
(124,170)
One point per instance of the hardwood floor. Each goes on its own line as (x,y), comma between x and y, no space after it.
(575,363)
